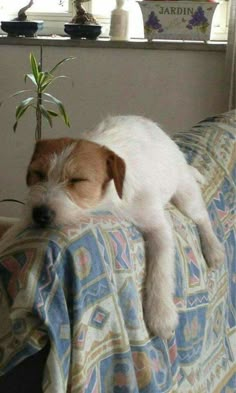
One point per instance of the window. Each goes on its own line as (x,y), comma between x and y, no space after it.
(56,12)
(39,6)
(53,12)
(102,9)
(220,21)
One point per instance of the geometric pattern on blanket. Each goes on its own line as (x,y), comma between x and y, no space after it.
(81,288)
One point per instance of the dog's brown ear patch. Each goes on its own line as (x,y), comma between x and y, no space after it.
(116,171)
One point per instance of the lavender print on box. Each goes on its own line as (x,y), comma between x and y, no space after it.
(198,20)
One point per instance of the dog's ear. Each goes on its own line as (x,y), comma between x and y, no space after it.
(116,171)
(38,148)
(28,173)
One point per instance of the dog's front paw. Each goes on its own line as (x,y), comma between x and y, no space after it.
(214,255)
(161,319)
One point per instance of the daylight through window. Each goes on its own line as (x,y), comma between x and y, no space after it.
(39,6)
(54,12)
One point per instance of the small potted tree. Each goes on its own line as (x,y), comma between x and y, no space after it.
(83,24)
(39,98)
(44,104)
(21,26)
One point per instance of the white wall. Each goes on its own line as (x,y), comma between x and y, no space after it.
(175,88)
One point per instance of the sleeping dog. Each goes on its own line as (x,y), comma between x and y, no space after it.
(131,167)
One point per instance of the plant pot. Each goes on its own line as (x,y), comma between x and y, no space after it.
(177,20)
(21,28)
(75,30)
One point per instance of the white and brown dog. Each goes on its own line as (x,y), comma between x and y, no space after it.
(129,165)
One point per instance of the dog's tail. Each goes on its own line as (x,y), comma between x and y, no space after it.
(197,175)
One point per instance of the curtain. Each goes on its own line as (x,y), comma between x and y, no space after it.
(231,59)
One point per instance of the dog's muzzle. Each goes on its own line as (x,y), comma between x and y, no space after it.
(43,215)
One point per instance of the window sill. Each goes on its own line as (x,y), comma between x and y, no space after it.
(219,46)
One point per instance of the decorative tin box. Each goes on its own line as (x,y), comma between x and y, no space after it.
(177,20)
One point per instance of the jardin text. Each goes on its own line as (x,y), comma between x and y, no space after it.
(175,11)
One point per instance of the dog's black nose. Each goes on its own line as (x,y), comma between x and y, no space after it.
(43,215)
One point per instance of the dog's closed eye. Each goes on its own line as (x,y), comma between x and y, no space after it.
(76,180)
(34,176)
(41,176)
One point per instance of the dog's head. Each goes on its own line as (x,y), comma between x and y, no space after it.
(68,177)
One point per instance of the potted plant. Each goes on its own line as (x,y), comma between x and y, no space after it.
(39,99)
(21,26)
(83,24)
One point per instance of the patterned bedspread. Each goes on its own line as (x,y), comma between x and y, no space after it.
(81,289)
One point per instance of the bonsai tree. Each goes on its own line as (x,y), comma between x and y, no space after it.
(21,14)
(39,98)
(82,17)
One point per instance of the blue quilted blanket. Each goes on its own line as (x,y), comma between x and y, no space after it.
(81,290)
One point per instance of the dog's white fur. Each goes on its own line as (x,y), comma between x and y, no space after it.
(156,173)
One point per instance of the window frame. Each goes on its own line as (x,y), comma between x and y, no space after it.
(219,32)
(54,22)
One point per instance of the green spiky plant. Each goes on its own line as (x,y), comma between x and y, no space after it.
(41,81)
(40,99)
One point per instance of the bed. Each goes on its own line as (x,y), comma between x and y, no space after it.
(71,299)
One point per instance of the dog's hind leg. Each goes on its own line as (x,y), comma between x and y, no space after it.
(189,201)
(159,309)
